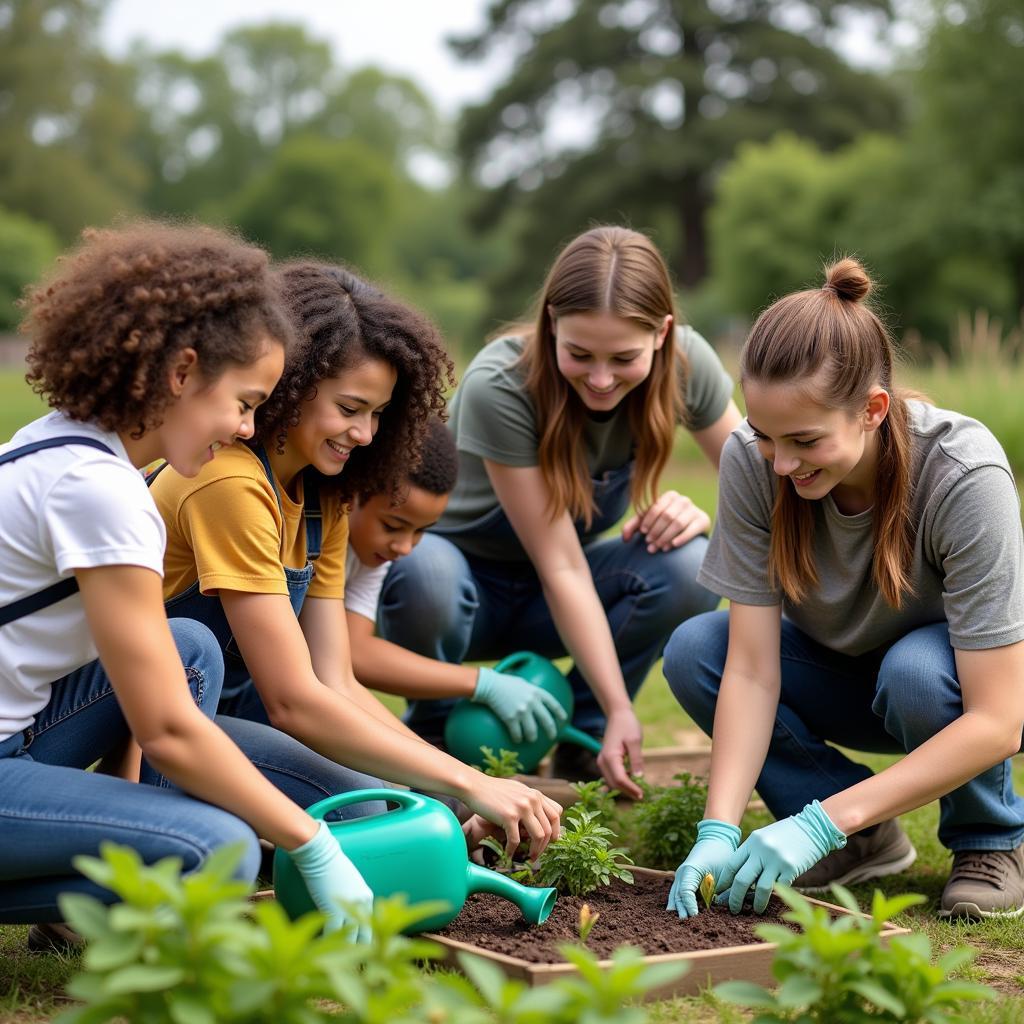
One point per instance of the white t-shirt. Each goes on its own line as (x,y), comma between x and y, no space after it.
(363,585)
(66,508)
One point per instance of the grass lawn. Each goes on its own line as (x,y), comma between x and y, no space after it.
(30,985)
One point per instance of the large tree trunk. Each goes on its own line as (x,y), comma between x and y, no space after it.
(692,258)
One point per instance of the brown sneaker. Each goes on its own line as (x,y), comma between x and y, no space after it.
(985,883)
(54,938)
(887,851)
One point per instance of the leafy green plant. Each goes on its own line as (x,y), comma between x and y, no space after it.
(582,857)
(502,765)
(195,951)
(666,820)
(838,971)
(596,797)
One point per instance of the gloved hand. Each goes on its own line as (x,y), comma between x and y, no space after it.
(519,705)
(716,843)
(330,876)
(779,852)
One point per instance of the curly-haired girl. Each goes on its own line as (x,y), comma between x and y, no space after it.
(151,341)
(560,424)
(244,535)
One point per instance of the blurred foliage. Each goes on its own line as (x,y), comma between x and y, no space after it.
(731,130)
(26,249)
(665,90)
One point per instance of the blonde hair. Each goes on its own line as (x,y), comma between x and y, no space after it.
(831,334)
(604,270)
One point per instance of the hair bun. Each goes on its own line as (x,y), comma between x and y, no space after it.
(848,279)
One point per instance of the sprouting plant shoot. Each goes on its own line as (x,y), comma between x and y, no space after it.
(582,857)
(502,765)
(588,918)
(707,889)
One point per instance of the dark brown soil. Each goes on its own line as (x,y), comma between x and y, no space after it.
(633,914)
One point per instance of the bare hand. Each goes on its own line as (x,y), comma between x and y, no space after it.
(623,739)
(521,812)
(669,523)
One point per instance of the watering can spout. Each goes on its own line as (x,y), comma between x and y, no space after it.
(534,904)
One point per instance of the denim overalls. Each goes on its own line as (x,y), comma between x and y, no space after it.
(239,697)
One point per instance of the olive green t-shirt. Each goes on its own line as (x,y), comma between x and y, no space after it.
(493,417)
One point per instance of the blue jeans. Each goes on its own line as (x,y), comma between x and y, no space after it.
(51,810)
(887,701)
(445,605)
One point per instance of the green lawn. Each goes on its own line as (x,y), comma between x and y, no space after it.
(30,985)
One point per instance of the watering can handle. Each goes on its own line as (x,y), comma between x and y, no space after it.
(403,797)
(514,661)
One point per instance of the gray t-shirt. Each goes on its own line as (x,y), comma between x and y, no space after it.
(493,417)
(968,547)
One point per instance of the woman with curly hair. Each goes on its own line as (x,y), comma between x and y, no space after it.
(151,341)
(245,535)
(561,424)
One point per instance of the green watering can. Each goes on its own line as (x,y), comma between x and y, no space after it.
(472,726)
(417,849)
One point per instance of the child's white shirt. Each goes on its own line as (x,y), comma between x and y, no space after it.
(61,509)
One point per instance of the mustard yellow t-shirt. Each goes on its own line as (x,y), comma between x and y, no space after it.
(225,529)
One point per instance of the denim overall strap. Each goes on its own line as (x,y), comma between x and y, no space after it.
(62,588)
(193,604)
(611,498)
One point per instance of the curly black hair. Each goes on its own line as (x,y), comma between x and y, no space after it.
(439,464)
(106,326)
(342,320)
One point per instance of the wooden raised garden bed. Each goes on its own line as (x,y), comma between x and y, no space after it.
(487,921)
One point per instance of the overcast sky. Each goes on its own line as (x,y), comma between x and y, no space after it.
(404,36)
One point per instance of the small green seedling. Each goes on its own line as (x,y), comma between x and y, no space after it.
(502,765)
(588,918)
(518,871)
(595,796)
(582,857)
(707,889)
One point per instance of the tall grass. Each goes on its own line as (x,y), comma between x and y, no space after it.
(982,377)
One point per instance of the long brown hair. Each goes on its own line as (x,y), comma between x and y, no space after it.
(604,270)
(831,334)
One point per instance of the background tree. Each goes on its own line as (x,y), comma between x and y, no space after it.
(67,117)
(26,249)
(660,93)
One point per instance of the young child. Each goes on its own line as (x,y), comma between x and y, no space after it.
(870,546)
(149,342)
(560,425)
(245,533)
(383,528)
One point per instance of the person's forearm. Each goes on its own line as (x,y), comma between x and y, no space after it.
(336,726)
(355,691)
(958,753)
(184,756)
(582,624)
(385,666)
(744,719)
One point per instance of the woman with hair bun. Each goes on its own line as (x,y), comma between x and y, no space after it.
(561,424)
(257,545)
(870,546)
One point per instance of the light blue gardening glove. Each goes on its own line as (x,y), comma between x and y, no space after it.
(520,705)
(716,843)
(330,876)
(779,852)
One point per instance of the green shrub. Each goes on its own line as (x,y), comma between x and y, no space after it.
(582,857)
(837,970)
(596,797)
(665,821)
(195,951)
